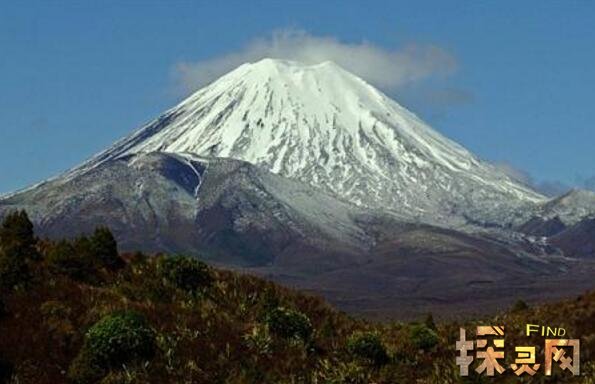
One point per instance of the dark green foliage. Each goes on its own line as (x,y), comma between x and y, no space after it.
(429,322)
(85,368)
(367,346)
(519,306)
(116,340)
(17,236)
(104,249)
(16,228)
(6,370)
(120,338)
(3,309)
(185,273)
(84,257)
(64,258)
(289,324)
(423,337)
(137,258)
(17,248)
(14,271)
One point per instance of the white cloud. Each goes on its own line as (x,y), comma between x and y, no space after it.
(516,173)
(385,68)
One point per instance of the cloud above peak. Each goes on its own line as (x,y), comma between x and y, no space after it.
(384,68)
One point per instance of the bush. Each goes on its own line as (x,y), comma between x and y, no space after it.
(115,340)
(185,273)
(104,249)
(519,306)
(423,337)
(120,338)
(289,324)
(63,258)
(367,346)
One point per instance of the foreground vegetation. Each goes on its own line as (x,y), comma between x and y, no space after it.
(77,311)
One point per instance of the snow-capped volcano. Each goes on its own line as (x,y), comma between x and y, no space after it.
(325,126)
(259,170)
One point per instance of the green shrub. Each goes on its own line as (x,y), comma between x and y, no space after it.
(289,324)
(104,249)
(120,338)
(185,273)
(367,346)
(423,337)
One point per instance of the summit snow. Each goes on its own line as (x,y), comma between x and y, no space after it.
(322,125)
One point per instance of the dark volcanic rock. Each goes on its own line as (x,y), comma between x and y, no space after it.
(238,215)
(579,240)
(539,226)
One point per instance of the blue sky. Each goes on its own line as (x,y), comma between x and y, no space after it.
(76,76)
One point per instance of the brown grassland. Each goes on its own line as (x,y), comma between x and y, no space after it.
(76,311)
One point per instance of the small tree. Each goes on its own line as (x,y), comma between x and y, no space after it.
(429,322)
(185,273)
(104,249)
(367,346)
(14,271)
(64,258)
(17,236)
(423,337)
(17,248)
(17,228)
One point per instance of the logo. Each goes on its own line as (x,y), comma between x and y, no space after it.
(489,347)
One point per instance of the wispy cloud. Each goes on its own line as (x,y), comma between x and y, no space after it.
(549,188)
(385,68)
(516,173)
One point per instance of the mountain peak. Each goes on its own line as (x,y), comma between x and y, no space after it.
(320,124)
(269,62)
